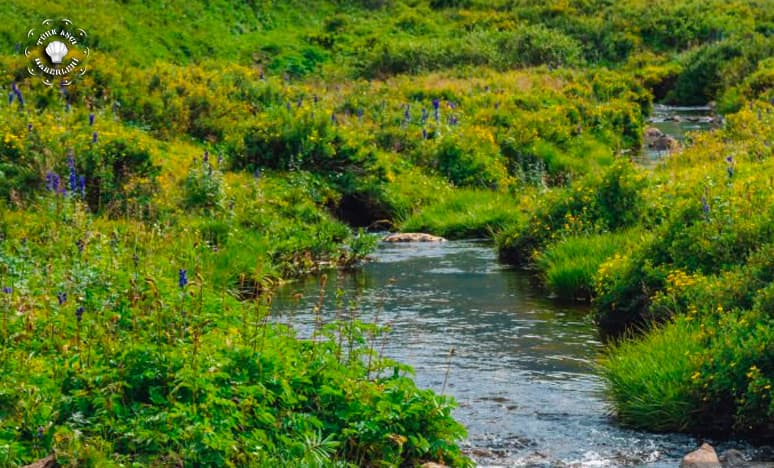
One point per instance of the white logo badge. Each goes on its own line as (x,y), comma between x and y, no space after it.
(58,54)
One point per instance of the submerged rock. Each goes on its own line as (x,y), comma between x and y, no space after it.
(412,237)
(703,457)
(732,458)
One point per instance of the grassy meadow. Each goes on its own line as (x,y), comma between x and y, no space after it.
(216,149)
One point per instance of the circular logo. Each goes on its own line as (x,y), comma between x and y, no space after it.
(57,52)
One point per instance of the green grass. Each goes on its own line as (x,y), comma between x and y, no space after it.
(465,213)
(649,380)
(570,265)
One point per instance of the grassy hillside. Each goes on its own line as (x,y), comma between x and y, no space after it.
(216,148)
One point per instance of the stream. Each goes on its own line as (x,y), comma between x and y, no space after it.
(523,367)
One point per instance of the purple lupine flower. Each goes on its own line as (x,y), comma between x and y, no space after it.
(80,244)
(82,185)
(79,313)
(7,289)
(299,103)
(287,106)
(73,180)
(206,157)
(61,297)
(333,118)
(437,109)
(407,113)
(424,134)
(91,118)
(55,182)
(182,278)
(49,181)
(29,127)
(704,205)
(315,98)
(94,137)
(424,115)
(15,89)
(360,114)
(730,159)
(436,104)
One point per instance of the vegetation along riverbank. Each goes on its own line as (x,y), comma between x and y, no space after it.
(214,149)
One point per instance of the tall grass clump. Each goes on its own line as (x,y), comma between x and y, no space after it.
(570,265)
(465,213)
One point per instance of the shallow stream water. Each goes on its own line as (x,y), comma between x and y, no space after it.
(523,366)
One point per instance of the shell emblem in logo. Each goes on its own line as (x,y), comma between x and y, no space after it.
(56,50)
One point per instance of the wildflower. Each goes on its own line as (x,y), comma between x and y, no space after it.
(73,179)
(299,103)
(182,279)
(437,109)
(52,182)
(287,106)
(704,205)
(135,259)
(7,289)
(407,113)
(206,156)
(79,313)
(333,118)
(29,127)
(424,115)
(424,134)
(91,118)
(360,114)
(17,92)
(10,97)
(61,297)
(316,99)
(82,185)
(257,173)
(49,181)
(94,137)
(80,244)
